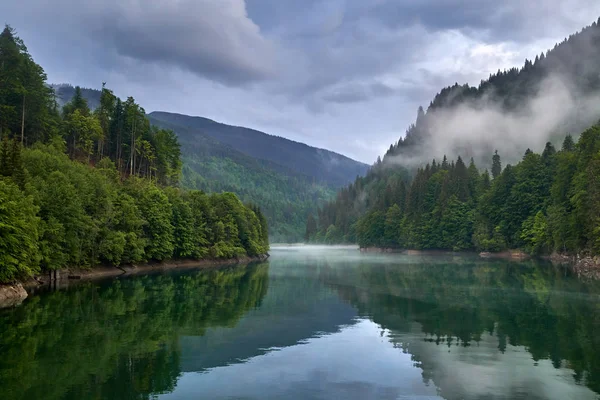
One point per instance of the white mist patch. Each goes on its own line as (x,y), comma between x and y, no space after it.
(478,128)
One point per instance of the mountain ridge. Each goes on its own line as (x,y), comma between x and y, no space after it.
(323,165)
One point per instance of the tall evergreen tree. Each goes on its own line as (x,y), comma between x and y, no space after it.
(496,165)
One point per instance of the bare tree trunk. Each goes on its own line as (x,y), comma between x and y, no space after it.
(132,151)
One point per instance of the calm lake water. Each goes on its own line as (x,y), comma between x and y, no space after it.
(312,323)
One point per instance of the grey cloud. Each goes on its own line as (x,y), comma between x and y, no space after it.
(356,93)
(515,20)
(214,39)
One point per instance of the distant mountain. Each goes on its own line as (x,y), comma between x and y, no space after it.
(285,196)
(322,165)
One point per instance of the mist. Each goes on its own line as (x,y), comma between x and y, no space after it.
(478,128)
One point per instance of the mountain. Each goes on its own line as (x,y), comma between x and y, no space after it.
(556,93)
(540,202)
(287,179)
(285,196)
(321,165)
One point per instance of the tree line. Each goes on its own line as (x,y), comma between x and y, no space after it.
(82,188)
(548,202)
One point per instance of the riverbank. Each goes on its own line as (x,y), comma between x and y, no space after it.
(583,266)
(14,294)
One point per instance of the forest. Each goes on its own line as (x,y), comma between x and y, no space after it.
(285,195)
(79,188)
(546,202)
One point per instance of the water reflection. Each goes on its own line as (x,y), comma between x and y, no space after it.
(119,340)
(494,325)
(316,324)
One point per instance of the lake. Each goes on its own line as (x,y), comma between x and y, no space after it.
(312,323)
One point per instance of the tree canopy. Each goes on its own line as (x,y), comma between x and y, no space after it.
(79,188)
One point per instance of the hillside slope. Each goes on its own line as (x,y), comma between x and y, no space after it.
(322,165)
(556,93)
(286,197)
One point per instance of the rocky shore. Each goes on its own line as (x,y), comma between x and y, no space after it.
(12,295)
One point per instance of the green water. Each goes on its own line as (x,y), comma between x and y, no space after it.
(312,324)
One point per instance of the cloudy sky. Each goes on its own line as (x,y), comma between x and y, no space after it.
(346,75)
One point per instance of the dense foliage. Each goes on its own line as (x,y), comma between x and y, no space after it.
(80,188)
(547,202)
(285,200)
(286,197)
(213,165)
(286,192)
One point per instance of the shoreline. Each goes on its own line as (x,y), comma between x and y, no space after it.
(12,295)
(585,266)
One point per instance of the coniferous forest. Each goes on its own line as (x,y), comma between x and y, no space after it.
(79,188)
(547,202)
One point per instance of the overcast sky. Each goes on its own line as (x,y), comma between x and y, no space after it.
(345,75)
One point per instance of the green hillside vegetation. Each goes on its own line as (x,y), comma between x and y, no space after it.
(546,202)
(65,92)
(82,188)
(286,197)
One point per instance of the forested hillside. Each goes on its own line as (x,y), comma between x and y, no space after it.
(321,165)
(286,196)
(80,188)
(545,202)
(65,92)
(220,158)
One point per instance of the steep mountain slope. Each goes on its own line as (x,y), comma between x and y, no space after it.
(556,93)
(322,165)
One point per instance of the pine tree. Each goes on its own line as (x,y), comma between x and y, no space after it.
(568,144)
(5,158)
(496,165)
(311,228)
